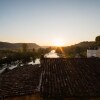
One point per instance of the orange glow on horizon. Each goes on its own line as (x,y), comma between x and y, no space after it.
(58,42)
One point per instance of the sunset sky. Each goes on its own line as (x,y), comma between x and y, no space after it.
(42,21)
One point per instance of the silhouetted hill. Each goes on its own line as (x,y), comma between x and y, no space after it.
(85,44)
(46,46)
(73,50)
(7,45)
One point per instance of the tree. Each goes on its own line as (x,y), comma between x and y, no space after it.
(24,47)
(59,50)
(97,39)
(77,50)
(41,51)
(33,51)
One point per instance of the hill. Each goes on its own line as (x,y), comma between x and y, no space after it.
(7,45)
(85,44)
(73,50)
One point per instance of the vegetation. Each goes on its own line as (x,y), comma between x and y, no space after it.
(24,56)
(74,50)
(24,47)
(17,46)
(97,39)
(78,49)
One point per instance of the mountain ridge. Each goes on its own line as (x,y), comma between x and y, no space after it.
(8,45)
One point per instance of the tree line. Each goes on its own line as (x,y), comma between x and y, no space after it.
(23,56)
(78,49)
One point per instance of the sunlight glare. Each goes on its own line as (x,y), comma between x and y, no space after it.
(58,42)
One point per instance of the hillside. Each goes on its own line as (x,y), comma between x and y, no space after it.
(80,48)
(7,45)
(85,44)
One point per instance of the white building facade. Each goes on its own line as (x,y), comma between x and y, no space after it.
(93,53)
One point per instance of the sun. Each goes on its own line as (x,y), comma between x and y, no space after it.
(58,42)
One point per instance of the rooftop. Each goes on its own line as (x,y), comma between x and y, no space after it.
(73,77)
(22,80)
(60,78)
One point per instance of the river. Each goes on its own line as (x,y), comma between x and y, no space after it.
(51,54)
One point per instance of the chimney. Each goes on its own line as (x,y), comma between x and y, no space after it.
(41,59)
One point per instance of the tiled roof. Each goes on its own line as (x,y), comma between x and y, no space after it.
(60,78)
(19,81)
(73,77)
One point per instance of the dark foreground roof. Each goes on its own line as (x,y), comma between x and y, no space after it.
(58,78)
(73,77)
(20,81)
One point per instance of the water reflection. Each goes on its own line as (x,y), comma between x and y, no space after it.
(51,54)
(37,61)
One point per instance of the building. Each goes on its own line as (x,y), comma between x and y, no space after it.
(20,83)
(93,52)
(56,79)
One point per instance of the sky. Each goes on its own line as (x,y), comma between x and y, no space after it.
(42,21)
